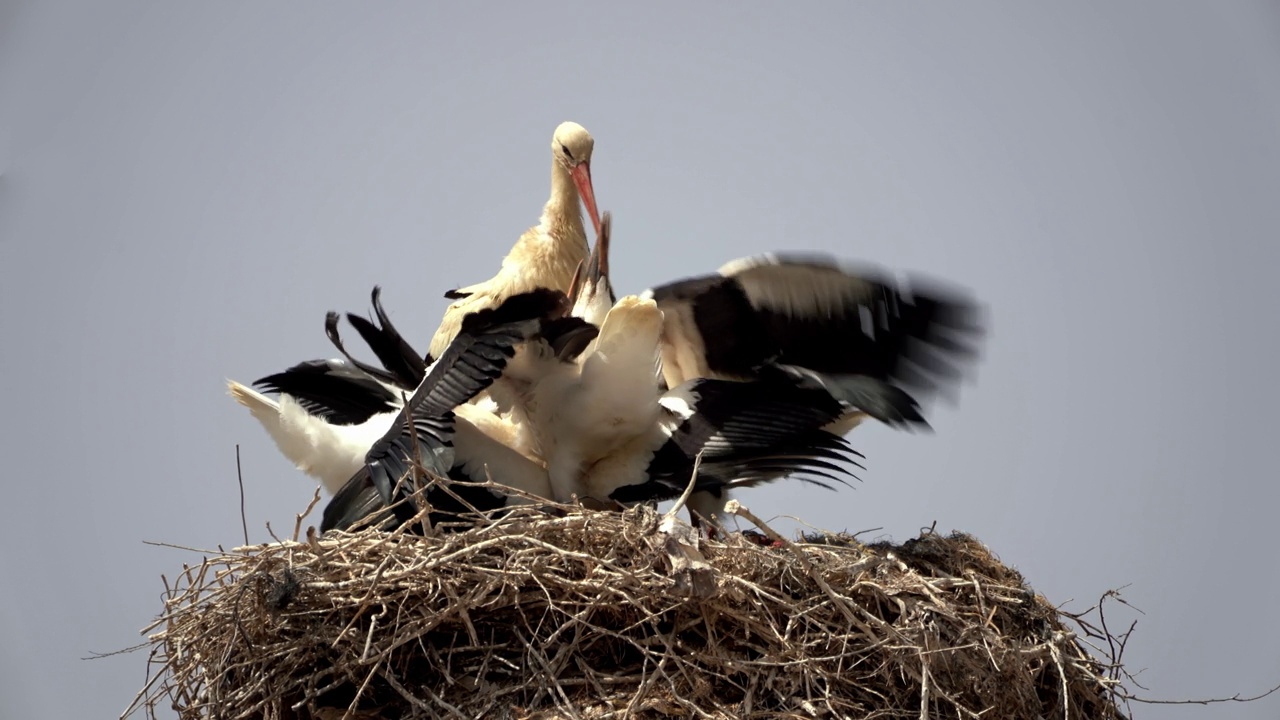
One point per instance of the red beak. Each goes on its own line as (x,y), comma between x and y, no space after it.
(581,174)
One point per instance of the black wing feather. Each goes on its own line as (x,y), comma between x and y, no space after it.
(331,320)
(887,403)
(395,353)
(918,334)
(476,357)
(331,390)
(451,502)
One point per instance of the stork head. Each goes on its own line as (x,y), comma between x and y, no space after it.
(591,292)
(571,146)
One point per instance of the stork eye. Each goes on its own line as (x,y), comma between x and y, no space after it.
(565,148)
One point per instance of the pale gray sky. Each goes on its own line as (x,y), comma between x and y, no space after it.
(188,188)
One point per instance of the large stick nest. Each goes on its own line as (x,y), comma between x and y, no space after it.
(591,614)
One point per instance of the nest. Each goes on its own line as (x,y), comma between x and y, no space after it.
(593,614)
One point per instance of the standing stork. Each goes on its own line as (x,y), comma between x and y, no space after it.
(547,254)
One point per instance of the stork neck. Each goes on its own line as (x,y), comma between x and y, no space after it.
(562,215)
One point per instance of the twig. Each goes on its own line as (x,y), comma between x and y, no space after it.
(924,688)
(688,489)
(297,526)
(186,548)
(1210,701)
(244,523)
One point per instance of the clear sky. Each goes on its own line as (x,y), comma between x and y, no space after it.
(187,188)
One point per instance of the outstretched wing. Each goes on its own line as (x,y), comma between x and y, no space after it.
(808,311)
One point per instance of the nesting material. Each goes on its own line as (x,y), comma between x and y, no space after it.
(597,614)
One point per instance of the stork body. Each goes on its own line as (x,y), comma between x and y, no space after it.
(547,254)
(340,413)
(423,432)
(572,416)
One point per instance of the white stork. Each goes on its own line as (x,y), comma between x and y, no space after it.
(423,431)
(571,414)
(547,254)
(600,425)
(330,412)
